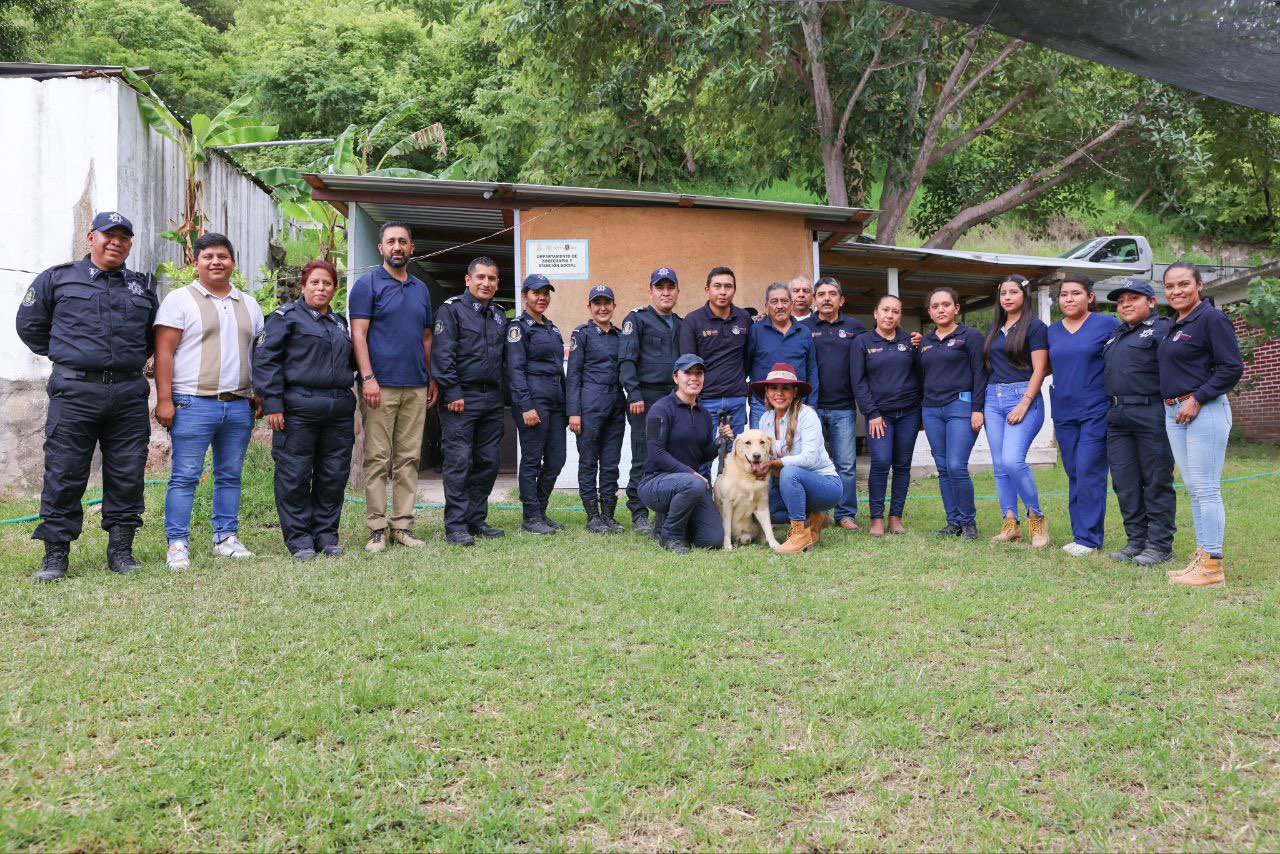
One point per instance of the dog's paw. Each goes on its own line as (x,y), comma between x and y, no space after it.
(745,539)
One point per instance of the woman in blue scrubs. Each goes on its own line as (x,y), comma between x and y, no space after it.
(884,368)
(955,389)
(1080,407)
(1017,355)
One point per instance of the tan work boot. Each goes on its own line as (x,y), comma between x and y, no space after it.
(1010,531)
(816,522)
(849,525)
(895,525)
(1207,574)
(1039,529)
(404,538)
(377,541)
(798,539)
(1196,560)
(877,528)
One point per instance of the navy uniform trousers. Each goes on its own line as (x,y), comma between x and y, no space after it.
(650,395)
(84,413)
(313,461)
(1142,474)
(604,423)
(471,445)
(542,455)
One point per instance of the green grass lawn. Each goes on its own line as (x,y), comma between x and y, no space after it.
(583,692)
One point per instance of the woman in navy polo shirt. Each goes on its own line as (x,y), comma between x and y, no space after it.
(1080,407)
(1016,352)
(1199,363)
(885,371)
(955,388)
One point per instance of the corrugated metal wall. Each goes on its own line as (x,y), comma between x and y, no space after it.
(151,176)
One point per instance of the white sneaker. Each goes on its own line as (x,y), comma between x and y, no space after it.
(178,556)
(231,547)
(1077,550)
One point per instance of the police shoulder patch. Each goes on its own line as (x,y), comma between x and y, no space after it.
(439,327)
(513,334)
(628,327)
(29,298)
(573,342)
(262,336)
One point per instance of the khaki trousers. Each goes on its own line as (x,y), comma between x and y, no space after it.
(393,437)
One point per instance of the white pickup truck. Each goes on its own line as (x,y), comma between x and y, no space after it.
(1127,250)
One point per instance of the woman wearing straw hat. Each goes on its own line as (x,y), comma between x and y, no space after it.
(806,484)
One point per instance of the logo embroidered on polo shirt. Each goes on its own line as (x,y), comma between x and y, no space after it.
(1181,336)
(951,343)
(842,333)
(737,330)
(902,348)
(707,333)
(875,349)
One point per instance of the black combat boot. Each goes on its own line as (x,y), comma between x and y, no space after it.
(607,509)
(120,559)
(54,565)
(548,521)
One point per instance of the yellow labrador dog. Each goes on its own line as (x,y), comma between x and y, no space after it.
(742,491)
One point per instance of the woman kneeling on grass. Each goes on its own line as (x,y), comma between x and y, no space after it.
(805,480)
(680,438)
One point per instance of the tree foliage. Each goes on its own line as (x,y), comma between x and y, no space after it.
(940,125)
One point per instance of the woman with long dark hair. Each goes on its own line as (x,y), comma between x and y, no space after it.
(1080,405)
(885,369)
(1016,353)
(955,391)
(1199,363)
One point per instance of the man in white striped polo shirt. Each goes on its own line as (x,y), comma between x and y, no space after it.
(205,335)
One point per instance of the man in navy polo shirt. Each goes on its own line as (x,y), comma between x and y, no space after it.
(833,336)
(718,333)
(391,321)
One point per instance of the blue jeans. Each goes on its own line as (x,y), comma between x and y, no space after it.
(199,422)
(840,428)
(737,408)
(686,507)
(894,449)
(797,492)
(1199,449)
(1009,446)
(951,437)
(1084,458)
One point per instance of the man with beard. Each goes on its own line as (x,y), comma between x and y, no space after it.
(391,323)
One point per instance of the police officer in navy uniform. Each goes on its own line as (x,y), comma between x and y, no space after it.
(304,367)
(93,319)
(646,359)
(535,378)
(1138,450)
(597,410)
(467,356)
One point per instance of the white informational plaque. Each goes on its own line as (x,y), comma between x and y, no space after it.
(565,260)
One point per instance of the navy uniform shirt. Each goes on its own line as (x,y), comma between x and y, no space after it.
(592,381)
(1130,367)
(833,348)
(90,319)
(766,346)
(1002,371)
(398,314)
(679,438)
(647,350)
(952,367)
(468,348)
(885,374)
(535,364)
(300,347)
(1078,390)
(1200,356)
(722,344)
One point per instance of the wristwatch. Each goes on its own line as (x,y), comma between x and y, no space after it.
(365,378)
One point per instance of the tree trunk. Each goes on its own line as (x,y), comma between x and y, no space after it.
(1137,203)
(824,108)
